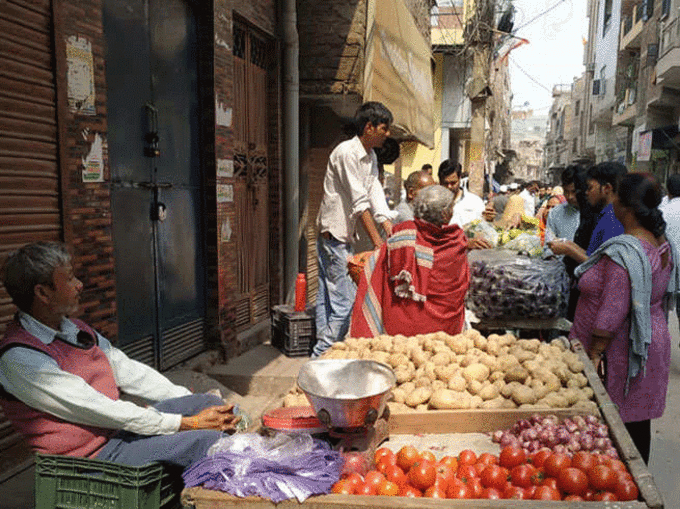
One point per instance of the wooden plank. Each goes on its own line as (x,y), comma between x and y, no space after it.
(619,435)
(200,498)
(558,324)
(465,421)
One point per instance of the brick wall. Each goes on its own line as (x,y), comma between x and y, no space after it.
(86,207)
(262,15)
(332,39)
(332,43)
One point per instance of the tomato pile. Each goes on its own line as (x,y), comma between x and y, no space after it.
(513,474)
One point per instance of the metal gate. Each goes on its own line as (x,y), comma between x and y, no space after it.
(252,57)
(29,174)
(153,125)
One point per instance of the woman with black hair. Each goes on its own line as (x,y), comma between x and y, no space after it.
(622,313)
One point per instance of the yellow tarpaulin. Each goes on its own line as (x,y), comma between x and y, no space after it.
(398,69)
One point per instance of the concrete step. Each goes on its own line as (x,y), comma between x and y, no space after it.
(262,371)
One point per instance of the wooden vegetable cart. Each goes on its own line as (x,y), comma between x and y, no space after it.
(464,421)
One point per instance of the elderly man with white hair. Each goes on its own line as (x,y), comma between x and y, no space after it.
(416,283)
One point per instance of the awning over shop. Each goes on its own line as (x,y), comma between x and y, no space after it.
(398,69)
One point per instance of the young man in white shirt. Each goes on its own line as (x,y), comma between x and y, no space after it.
(351,193)
(467,206)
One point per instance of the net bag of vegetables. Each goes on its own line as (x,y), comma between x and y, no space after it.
(504,284)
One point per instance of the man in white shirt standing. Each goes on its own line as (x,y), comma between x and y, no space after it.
(351,191)
(528,195)
(60,380)
(671,214)
(467,206)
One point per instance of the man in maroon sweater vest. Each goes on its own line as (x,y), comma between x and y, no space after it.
(60,380)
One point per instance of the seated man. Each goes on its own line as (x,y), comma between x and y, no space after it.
(416,283)
(60,380)
(413,183)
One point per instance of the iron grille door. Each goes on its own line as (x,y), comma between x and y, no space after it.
(252,54)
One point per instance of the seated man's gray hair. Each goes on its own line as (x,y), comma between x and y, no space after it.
(431,203)
(32,265)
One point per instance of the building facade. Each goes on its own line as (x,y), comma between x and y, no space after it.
(634,120)
(150,136)
(146,135)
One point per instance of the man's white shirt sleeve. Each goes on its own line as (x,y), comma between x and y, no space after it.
(36,379)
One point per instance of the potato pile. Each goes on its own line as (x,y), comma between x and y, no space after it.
(465,371)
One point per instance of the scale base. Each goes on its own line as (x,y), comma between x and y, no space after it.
(359,439)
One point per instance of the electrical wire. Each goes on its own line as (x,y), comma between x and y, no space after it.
(540,15)
(530,76)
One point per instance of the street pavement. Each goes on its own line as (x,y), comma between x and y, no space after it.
(17,492)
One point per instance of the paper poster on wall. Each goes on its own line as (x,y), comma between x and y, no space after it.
(225,168)
(80,77)
(644,146)
(225,193)
(93,164)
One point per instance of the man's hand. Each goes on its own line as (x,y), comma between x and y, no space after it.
(219,418)
(489,213)
(387,226)
(560,247)
(568,248)
(478,243)
(370,227)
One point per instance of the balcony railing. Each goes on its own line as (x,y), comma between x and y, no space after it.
(631,28)
(670,36)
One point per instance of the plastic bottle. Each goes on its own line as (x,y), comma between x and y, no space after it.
(300,292)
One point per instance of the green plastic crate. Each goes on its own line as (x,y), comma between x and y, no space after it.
(65,482)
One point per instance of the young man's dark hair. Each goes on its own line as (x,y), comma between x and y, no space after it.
(448,167)
(389,152)
(673,185)
(427,167)
(608,172)
(569,174)
(374,112)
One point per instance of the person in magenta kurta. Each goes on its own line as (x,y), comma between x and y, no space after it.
(614,300)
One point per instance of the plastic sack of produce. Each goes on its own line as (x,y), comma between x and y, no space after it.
(482,229)
(277,468)
(525,243)
(504,284)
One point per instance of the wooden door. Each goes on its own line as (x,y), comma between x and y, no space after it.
(252,55)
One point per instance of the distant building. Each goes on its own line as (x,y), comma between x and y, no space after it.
(631,87)
(528,137)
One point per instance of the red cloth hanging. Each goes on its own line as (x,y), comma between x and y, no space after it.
(418,281)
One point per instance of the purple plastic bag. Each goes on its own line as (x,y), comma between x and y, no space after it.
(276,473)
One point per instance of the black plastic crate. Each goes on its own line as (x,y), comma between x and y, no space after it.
(293,332)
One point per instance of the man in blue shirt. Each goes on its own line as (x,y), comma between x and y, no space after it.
(602,182)
(602,185)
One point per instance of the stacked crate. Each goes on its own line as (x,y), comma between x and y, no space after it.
(293,332)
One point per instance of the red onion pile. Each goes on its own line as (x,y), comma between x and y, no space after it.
(579,433)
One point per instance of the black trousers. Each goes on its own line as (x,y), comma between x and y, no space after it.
(641,433)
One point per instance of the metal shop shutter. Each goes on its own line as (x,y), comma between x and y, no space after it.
(29,178)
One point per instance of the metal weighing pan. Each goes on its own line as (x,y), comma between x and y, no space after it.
(346,393)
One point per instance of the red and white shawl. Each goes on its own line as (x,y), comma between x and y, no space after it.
(415,284)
